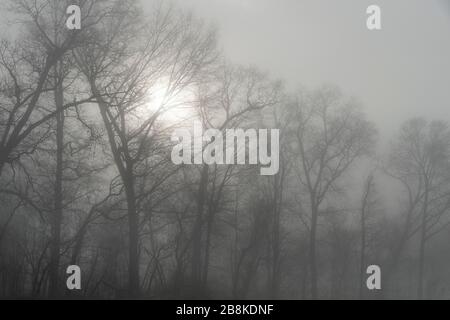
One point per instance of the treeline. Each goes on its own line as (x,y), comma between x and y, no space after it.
(86,176)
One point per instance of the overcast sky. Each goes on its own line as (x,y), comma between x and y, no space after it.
(399,72)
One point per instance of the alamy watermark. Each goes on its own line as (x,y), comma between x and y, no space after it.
(373,21)
(73,22)
(236,146)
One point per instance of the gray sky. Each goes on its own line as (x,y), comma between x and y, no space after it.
(399,72)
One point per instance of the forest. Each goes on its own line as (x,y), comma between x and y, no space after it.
(87,179)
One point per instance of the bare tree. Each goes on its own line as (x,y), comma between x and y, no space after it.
(420,160)
(331,133)
(26,111)
(124,67)
(368,206)
(232,95)
(25,69)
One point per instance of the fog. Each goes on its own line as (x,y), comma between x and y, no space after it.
(224,149)
(393,71)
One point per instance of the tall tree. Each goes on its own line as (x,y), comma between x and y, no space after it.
(226,101)
(420,159)
(133,59)
(331,134)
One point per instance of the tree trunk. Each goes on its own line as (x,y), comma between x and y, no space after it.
(209,226)
(364,207)
(423,234)
(198,229)
(276,242)
(125,168)
(363,253)
(312,252)
(133,237)
(57,213)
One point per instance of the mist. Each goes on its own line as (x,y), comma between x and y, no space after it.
(348,199)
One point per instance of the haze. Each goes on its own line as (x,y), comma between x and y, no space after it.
(395,71)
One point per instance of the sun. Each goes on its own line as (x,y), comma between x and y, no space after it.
(173,105)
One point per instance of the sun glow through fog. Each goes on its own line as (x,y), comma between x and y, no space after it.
(174,106)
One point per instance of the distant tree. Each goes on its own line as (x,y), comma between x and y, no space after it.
(368,217)
(331,134)
(420,159)
(227,100)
